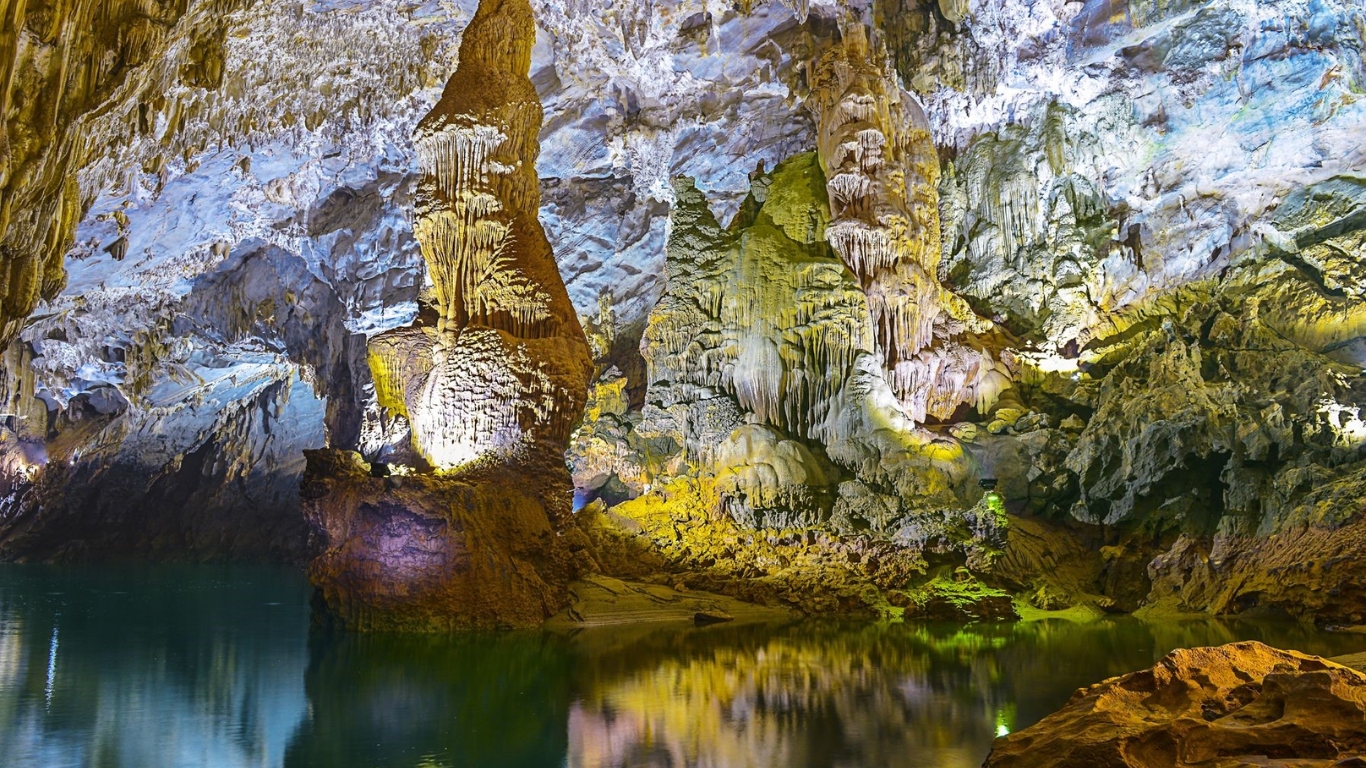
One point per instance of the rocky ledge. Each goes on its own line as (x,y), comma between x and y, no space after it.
(1243,704)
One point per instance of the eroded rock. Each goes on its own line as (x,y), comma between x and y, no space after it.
(1244,704)
(426,553)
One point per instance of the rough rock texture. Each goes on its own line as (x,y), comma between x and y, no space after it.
(602,601)
(768,421)
(59,62)
(882,175)
(489,393)
(1149,219)
(1244,704)
(246,230)
(428,553)
(679,532)
(507,365)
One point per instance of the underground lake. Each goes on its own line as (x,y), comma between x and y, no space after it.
(161,666)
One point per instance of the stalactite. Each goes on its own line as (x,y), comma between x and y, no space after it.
(882,174)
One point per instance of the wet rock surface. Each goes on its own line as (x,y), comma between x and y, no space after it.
(1244,704)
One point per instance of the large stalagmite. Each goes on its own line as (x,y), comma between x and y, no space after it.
(508,365)
(882,174)
(490,390)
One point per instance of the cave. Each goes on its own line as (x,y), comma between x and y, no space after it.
(615,383)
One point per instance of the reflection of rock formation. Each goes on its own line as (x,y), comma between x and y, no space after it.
(507,364)
(797,696)
(1235,705)
(391,701)
(882,172)
(492,389)
(896,695)
(215,657)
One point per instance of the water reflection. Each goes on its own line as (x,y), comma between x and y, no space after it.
(487,701)
(147,668)
(157,667)
(814,694)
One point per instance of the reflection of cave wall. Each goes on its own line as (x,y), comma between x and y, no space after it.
(215,656)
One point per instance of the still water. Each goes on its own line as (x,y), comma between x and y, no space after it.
(152,667)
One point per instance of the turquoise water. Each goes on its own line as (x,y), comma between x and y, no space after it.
(152,667)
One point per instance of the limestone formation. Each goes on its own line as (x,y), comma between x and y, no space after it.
(57,62)
(882,174)
(768,417)
(507,365)
(424,553)
(762,324)
(1146,217)
(489,391)
(1243,704)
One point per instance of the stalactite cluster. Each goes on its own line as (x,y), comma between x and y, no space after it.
(507,365)
(882,174)
(760,312)
(57,62)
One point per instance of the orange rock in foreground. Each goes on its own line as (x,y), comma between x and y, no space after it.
(1243,704)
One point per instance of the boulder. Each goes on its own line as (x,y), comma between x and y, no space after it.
(1243,704)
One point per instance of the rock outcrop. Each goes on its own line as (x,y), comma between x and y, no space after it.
(1146,217)
(505,369)
(1244,704)
(882,172)
(770,458)
(430,553)
(59,64)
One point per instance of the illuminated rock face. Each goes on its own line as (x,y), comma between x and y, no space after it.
(509,363)
(57,63)
(430,553)
(882,172)
(1229,705)
(767,404)
(489,390)
(1178,308)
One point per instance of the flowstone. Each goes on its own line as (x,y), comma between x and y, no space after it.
(768,419)
(882,172)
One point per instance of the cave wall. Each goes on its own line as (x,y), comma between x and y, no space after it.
(1125,278)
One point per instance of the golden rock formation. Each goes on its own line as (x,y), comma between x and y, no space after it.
(58,61)
(1226,706)
(508,365)
(491,388)
(882,174)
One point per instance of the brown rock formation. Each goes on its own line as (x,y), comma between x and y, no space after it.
(490,391)
(507,365)
(59,63)
(427,553)
(1244,704)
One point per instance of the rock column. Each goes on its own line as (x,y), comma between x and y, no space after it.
(490,387)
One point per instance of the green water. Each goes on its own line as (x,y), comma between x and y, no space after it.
(150,667)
